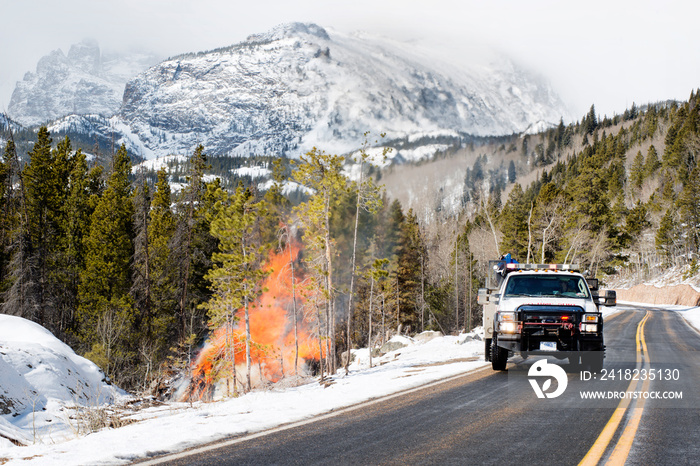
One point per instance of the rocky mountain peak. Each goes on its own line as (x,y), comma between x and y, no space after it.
(272,95)
(86,56)
(290,30)
(82,82)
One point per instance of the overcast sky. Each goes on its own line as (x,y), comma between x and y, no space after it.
(608,53)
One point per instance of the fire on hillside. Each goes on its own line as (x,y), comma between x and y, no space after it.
(272,337)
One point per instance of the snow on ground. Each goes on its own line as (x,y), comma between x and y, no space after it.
(677,275)
(253,172)
(422,152)
(173,427)
(690,314)
(608,311)
(42,381)
(288,187)
(157,163)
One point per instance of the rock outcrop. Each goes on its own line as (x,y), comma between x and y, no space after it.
(684,295)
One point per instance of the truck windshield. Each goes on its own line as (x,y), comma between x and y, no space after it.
(543,285)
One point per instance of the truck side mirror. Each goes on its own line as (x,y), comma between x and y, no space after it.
(609,298)
(592,284)
(605,297)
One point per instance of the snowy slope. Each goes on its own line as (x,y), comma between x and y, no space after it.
(299,86)
(41,378)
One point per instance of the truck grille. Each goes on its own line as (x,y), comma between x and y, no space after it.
(549,323)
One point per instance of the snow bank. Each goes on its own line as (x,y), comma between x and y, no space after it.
(41,379)
(692,316)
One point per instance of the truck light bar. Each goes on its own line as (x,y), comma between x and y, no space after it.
(572,267)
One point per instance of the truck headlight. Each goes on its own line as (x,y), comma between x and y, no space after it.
(589,328)
(590,318)
(506,316)
(507,327)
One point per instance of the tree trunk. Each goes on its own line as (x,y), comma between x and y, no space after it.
(422,293)
(545,238)
(493,229)
(383,322)
(331,307)
(186,272)
(294,310)
(352,275)
(248,362)
(398,306)
(456,284)
(529,233)
(468,296)
(320,341)
(369,339)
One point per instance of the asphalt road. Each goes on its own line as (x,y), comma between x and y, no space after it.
(487,417)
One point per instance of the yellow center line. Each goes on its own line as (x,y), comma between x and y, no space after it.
(601,444)
(624,445)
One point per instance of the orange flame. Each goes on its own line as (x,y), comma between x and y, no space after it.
(271,332)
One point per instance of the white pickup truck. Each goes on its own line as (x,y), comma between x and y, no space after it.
(543,309)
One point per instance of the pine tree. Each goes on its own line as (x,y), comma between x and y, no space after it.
(512,175)
(19,297)
(637,170)
(237,273)
(689,206)
(651,163)
(278,207)
(513,222)
(141,285)
(8,214)
(636,221)
(42,202)
(590,122)
(191,247)
(390,232)
(105,310)
(160,234)
(408,273)
(321,172)
(667,236)
(77,212)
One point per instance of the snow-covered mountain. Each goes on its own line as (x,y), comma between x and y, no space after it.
(7,124)
(299,86)
(284,92)
(83,82)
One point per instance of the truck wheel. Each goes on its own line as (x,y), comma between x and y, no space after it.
(499,356)
(487,349)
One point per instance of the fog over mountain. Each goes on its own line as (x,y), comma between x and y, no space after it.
(82,82)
